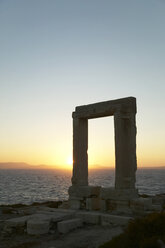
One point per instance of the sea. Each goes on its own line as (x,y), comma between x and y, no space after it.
(28,186)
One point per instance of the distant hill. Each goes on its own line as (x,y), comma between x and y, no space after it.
(22,165)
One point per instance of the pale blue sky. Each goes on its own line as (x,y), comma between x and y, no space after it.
(57,54)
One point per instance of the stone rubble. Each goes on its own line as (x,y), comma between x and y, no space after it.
(46,220)
(69,225)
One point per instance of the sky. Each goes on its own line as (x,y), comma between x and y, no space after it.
(59,54)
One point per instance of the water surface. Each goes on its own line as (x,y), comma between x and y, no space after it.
(28,186)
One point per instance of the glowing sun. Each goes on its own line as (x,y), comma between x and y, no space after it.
(70,160)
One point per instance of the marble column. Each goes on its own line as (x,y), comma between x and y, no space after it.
(125,150)
(80,148)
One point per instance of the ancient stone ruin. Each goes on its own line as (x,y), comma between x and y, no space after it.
(115,206)
(81,194)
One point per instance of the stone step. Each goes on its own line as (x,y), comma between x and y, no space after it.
(38,226)
(114,220)
(89,217)
(68,225)
(58,215)
(17,222)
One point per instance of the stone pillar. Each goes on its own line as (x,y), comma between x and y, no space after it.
(80,148)
(125,150)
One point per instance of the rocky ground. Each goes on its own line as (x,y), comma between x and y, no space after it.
(15,236)
(54,225)
(86,237)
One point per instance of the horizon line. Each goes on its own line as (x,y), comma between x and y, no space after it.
(26,166)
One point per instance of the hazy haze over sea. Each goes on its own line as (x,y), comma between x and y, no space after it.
(27,186)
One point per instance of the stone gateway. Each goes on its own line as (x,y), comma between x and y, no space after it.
(81,195)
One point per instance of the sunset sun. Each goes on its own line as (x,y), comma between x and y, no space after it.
(69,160)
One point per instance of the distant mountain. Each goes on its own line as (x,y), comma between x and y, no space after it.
(22,165)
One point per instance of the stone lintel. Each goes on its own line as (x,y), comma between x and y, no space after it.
(107,108)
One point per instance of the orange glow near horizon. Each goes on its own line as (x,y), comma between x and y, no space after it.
(55,152)
(101,155)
